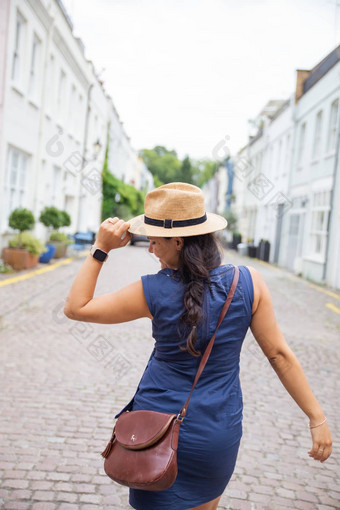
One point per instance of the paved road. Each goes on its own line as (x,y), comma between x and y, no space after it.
(62,381)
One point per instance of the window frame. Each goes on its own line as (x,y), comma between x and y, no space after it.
(332,126)
(18,49)
(318,236)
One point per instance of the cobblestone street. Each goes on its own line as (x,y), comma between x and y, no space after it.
(63,381)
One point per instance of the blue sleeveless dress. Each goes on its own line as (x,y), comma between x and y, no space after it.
(211,431)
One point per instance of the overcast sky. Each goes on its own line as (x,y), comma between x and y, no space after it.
(187,73)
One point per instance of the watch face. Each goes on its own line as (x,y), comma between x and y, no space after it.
(100,255)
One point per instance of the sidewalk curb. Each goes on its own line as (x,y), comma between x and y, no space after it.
(26,276)
(315,286)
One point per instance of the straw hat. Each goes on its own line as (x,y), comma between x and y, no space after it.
(176,209)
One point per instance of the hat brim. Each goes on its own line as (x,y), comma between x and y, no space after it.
(213,223)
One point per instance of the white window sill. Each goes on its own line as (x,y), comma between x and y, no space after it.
(329,155)
(16,87)
(315,161)
(314,258)
(33,103)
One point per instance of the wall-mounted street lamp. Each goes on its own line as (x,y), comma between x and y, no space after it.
(96,148)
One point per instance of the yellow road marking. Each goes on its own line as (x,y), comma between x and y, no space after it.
(335,309)
(268,265)
(42,270)
(328,292)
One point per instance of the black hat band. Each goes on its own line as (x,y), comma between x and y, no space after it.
(175,223)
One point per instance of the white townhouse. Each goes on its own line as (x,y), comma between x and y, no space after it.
(311,235)
(54,118)
(261,177)
(286,179)
(215,191)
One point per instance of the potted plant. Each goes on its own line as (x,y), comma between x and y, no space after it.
(54,218)
(24,249)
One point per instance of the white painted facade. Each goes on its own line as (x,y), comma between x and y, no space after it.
(54,118)
(296,156)
(314,181)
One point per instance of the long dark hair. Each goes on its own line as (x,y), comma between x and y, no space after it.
(198,256)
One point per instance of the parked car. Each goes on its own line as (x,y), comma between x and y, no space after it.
(136,238)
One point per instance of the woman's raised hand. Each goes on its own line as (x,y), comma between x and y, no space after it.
(322,443)
(113,233)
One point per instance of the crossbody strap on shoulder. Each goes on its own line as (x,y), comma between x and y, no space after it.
(207,351)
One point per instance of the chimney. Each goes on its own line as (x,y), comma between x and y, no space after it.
(302,75)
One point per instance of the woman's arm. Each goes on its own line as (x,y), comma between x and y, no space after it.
(271,340)
(125,305)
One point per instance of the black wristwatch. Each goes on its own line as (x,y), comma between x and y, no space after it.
(98,254)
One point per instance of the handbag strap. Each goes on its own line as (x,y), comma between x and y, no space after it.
(207,351)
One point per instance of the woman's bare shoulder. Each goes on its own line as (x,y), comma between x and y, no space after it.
(258,285)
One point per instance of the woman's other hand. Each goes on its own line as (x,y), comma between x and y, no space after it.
(322,443)
(113,233)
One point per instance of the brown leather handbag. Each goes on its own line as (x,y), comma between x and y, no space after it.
(142,452)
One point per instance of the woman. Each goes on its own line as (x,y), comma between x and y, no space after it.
(184,300)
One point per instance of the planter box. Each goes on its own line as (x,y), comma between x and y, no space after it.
(19,259)
(61,249)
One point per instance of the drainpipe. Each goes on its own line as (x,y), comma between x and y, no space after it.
(40,149)
(335,183)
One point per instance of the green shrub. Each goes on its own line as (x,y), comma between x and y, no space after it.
(50,217)
(21,219)
(27,242)
(65,219)
(5,268)
(60,237)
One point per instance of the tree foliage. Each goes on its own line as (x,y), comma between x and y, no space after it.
(162,163)
(21,219)
(166,167)
(119,199)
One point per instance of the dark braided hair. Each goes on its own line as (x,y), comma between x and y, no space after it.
(198,256)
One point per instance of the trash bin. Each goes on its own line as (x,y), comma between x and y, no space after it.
(237,239)
(263,250)
(252,251)
(242,249)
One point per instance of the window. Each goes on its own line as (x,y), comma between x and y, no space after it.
(61,96)
(16,179)
(80,117)
(50,85)
(279,158)
(34,68)
(17,61)
(332,126)
(286,158)
(320,213)
(301,144)
(317,135)
(72,110)
(56,185)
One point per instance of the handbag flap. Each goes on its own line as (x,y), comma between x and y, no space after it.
(136,430)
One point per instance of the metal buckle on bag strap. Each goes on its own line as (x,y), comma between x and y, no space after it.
(180,418)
